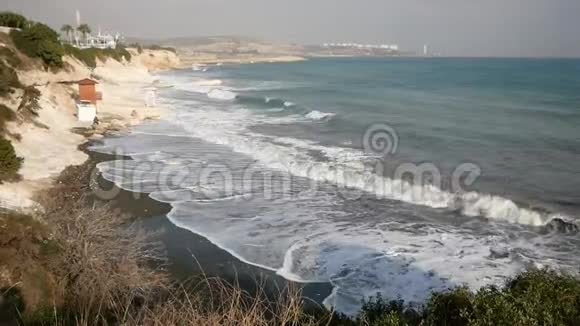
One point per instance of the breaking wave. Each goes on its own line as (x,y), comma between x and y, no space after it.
(220,94)
(346,169)
(317,115)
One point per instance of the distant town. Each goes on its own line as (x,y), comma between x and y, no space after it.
(364,49)
(391,47)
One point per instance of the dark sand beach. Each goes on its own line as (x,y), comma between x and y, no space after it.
(190,255)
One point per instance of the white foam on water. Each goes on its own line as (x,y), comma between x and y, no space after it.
(220,94)
(208,82)
(344,169)
(317,115)
(275,110)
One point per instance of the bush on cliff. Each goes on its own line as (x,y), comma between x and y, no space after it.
(89,56)
(8,79)
(14,20)
(6,115)
(86,56)
(40,41)
(9,162)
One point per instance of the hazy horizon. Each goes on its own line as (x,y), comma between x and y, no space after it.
(527,28)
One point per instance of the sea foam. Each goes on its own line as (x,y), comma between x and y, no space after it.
(318,115)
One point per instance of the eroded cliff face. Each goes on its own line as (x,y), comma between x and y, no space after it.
(155,60)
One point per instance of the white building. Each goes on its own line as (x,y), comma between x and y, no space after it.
(99,41)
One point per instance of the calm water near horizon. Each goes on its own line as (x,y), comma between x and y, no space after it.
(296,167)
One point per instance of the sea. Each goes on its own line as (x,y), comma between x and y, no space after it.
(399,176)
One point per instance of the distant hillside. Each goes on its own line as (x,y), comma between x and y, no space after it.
(224,44)
(226,49)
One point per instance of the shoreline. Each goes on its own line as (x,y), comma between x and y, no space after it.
(192,255)
(123,86)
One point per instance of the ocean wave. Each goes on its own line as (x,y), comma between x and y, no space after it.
(352,174)
(208,82)
(318,115)
(221,94)
(259,101)
(345,170)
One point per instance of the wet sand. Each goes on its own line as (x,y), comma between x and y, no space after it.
(189,254)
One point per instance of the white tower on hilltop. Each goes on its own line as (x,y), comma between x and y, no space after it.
(78,18)
(425,50)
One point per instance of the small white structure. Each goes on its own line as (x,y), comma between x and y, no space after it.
(151,97)
(86,111)
(99,41)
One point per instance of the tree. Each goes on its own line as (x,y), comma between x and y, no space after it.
(10,19)
(85,30)
(67,30)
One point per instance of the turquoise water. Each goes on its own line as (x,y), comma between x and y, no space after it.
(517,119)
(297,168)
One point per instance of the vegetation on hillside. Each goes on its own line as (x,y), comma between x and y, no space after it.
(8,78)
(14,20)
(6,115)
(38,40)
(10,163)
(90,56)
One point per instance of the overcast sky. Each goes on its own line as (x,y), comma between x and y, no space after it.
(452,27)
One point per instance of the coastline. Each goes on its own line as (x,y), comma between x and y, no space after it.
(123,85)
(192,255)
(50,143)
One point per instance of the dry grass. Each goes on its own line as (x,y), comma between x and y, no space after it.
(220,303)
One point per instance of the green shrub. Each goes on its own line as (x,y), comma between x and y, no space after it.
(9,162)
(6,115)
(536,297)
(89,56)
(14,20)
(450,308)
(8,79)
(40,41)
(123,53)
